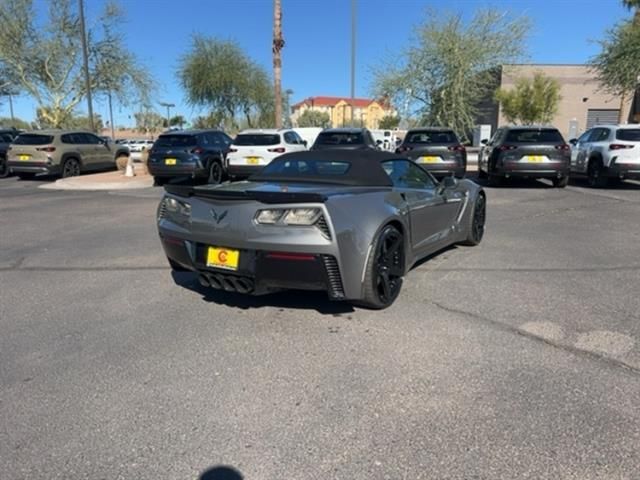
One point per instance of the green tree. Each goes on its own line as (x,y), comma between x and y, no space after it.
(532,100)
(450,65)
(389,122)
(314,118)
(16,123)
(617,66)
(42,56)
(218,75)
(177,120)
(149,121)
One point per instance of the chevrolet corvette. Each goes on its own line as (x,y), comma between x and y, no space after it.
(351,223)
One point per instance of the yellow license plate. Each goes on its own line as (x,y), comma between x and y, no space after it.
(253,160)
(170,161)
(226,258)
(428,159)
(24,157)
(535,158)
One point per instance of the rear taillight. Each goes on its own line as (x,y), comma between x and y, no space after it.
(563,147)
(277,150)
(231,150)
(504,148)
(402,149)
(197,150)
(619,146)
(457,148)
(48,149)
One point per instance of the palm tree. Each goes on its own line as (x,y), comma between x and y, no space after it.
(633,5)
(278,43)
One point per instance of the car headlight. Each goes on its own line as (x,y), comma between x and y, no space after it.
(176,207)
(288,216)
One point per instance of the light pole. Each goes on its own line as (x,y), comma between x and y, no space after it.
(353,50)
(85,55)
(169,106)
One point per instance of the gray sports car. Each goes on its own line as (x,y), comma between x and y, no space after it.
(350,223)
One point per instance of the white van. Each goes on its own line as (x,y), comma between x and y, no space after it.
(308,133)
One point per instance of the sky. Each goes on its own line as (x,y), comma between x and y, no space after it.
(317,33)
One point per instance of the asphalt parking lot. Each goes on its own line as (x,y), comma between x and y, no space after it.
(519,358)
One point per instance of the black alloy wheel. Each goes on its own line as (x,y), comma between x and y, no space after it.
(70,168)
(594,175)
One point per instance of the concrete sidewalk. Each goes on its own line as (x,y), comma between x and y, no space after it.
(102,181)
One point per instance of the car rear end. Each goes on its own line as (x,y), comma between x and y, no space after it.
(252,242)
(34,153)
(437,150)
(532,152)
(176,155)
(250,152)
(624,154)
(339,140)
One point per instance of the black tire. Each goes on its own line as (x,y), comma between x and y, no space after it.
(215,172)
(477,219)
(482,175)
(26,175)
(385,269)
(495,180)
(4,168)
(71,168)
(561,182)
(595,176)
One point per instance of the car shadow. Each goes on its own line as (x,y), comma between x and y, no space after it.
(512,183)
(289,299)
(424,260)
(221,472)
(621,185)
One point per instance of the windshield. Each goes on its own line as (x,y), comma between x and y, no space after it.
(629,134)
(432,137)
(534,136)
(339,138)
(32,139)
(256,139)
(175,141)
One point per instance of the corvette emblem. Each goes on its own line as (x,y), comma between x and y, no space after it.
(218,217)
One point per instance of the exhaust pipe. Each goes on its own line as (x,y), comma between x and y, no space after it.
(204,281)
(215,281)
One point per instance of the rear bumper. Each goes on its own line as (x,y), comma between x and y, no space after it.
(33,167)
(186,169)
(629,171)
(243,170)
(259,272)
(439,170)
(533,170)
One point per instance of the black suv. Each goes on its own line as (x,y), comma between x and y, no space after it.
(199,154)
(345,139)
(437,149)
(6,137)
(525,151)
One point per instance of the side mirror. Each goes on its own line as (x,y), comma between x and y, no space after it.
(484,141)
(378,142)
(573,141)
(447,183)
(305,143)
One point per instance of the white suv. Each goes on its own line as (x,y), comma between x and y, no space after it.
(253,149)
(607,152)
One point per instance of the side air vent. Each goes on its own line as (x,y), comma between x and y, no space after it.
(321,224)
(336,290)
(162,210)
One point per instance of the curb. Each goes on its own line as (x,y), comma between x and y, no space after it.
(101,181)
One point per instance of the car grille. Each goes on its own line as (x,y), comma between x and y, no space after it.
(336,290)
(322,225)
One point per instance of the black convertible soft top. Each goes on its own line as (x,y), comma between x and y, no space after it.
(364,168)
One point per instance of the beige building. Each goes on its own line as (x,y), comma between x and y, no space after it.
(583,102)
(345,112)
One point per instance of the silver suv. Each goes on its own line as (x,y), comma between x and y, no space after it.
(605,153)
(61,152)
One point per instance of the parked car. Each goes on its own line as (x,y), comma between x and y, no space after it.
(437,149)
(607,153)
(6,137)
(136,147)
(61,152)
(351,223)
(525,151)
(198,154)
(253,149)
(308,134)
(345,139)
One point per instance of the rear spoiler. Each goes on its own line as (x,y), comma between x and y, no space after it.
(262,197)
